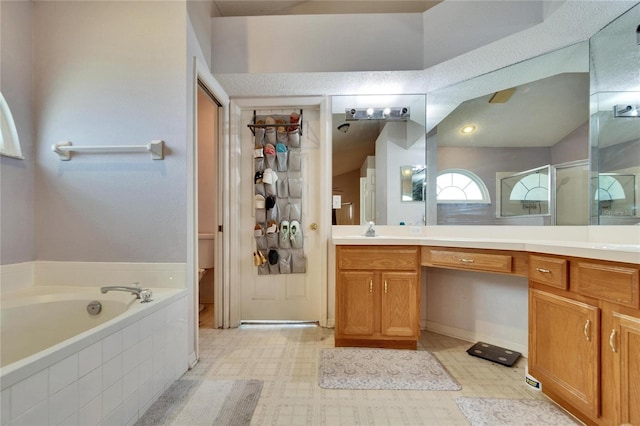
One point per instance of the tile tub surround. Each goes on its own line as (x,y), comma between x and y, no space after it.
(110,377)
(615,243)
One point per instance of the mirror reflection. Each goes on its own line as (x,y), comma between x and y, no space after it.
(503,129)
(412,179)
(369,153)
(615,117)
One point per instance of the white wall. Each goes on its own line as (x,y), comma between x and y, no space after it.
(111,73)
(17,176)
(452,28)
(391,154)
(320,43)
(477,306)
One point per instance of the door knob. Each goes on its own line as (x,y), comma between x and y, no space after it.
(313,226)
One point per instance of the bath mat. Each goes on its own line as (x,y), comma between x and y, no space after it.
(365,368)
(205,402)
(520,412)
(494,353)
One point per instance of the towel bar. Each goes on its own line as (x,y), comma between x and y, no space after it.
(64,149)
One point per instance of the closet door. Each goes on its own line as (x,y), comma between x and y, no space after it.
(273,293)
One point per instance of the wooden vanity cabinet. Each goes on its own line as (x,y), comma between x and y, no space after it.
(377,296)
(584,336)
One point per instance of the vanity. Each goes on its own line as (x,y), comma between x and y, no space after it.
(583,307)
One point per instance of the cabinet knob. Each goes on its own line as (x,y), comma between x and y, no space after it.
(313,226)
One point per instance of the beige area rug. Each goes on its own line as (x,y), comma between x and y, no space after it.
(204,402)
(515,412)
(364,368)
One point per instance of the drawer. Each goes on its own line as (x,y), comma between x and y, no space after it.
(615,283)
(548,270)
(468,260)
(395,258)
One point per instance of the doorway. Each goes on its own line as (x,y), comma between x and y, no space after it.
(208,224)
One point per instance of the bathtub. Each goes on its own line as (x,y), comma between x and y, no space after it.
(59,364)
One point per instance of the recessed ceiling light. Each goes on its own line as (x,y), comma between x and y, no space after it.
(468,129)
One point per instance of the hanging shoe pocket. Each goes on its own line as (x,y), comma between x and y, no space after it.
(294,138)
(261,215)
(295,210)
(259,189)
(285,241)
(283,208)
(263,269)
(295,187)
(295,234)
(259,136)
(283,188)
(281,157)
(285,262)
(295,160)
(261,242)
(298,262)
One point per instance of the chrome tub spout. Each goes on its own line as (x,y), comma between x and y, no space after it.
(141,293)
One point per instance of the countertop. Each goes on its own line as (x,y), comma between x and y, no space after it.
(585,242)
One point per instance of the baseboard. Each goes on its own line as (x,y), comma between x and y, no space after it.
(472,336)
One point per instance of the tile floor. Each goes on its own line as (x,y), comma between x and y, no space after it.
(286,359)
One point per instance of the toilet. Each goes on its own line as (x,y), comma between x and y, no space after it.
(206,245)
(206,261)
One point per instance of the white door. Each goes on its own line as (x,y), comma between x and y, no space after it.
(278,296)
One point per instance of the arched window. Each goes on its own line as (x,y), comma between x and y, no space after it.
(461,186)
(9,142)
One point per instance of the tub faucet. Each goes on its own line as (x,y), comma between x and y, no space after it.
(370,231)
(141,293)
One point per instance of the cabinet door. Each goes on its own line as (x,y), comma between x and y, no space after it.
(624,341)
(355,303)
(564,341)
(399,304)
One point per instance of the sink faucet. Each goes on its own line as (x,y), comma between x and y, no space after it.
(370,231)
(141,293)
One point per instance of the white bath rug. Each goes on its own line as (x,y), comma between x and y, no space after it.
(364,368)
(513,412)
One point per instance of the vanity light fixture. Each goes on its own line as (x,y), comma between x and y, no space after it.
(386,113)
(626,110)
(468,129)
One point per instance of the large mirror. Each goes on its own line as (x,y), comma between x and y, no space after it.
(574,112)
(615,118)
(371,152)
(505,147)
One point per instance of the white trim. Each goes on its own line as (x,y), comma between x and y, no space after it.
(221,281)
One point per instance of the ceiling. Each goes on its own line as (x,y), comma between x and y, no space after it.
(225,8)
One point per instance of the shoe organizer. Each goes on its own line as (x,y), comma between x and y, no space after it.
(278,194)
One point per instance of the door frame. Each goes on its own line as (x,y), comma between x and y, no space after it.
(221,279)
(236,181)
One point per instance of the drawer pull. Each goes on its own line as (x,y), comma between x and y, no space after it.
(370,286)
(586,330)
(544,271)
(385,286)
(467,260)
(612,343)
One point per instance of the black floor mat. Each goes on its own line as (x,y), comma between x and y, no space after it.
(494,353)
